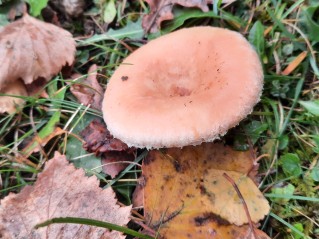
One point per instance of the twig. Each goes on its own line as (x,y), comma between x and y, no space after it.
(145,227)
(153,20)
(242,201)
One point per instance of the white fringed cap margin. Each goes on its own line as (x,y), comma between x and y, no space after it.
(184,88)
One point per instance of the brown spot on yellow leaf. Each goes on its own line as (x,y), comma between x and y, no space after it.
(207,217)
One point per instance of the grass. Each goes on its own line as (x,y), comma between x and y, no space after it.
(284,125)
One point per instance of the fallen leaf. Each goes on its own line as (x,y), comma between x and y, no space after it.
(73,8)
(30,49)
(138,194)
(114,162)
(98,139)
(7,103)
(162,10)
(115,154)
(187,196)
(39,141)
(89,91)
(61,191)
(295,63)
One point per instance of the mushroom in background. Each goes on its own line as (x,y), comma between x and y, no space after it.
(184,88)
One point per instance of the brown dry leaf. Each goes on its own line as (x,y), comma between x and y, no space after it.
(61,191)
(30,49)
(99,140)
(37,142)
(114,162)
(7,103)
(70,8)
(138,194)
(161,10)
(186,195)
(89,91)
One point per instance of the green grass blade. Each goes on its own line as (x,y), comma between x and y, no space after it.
(288,225)
(271,195)
(91,222)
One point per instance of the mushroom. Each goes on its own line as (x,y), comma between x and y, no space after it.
(183,88)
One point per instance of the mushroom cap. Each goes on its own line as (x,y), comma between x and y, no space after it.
(183,88)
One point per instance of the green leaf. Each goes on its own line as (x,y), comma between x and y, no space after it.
(283,142)
(311,106)
(36,6)
(283,194)
(315,140)
(300,228)
(133,30)
(3,20)
(181,15)
(253,131)
(291,164)
(75,152)
(109,11)
(291,227)
(315,173)
(312,26)
(256,37)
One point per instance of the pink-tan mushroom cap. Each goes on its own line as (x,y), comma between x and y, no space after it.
(184,88)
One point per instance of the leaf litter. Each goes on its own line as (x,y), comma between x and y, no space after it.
(30,50)
(61,190)
(115,154)
(9,103)
(162,10)
(187,196)
(88,90)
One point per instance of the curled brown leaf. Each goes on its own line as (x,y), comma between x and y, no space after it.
(115,154)
(89,91)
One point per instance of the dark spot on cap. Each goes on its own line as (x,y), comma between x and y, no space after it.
(124,78)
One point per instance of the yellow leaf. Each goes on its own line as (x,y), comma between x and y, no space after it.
(182,200)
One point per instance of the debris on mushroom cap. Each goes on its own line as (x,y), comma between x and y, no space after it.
(184,88)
